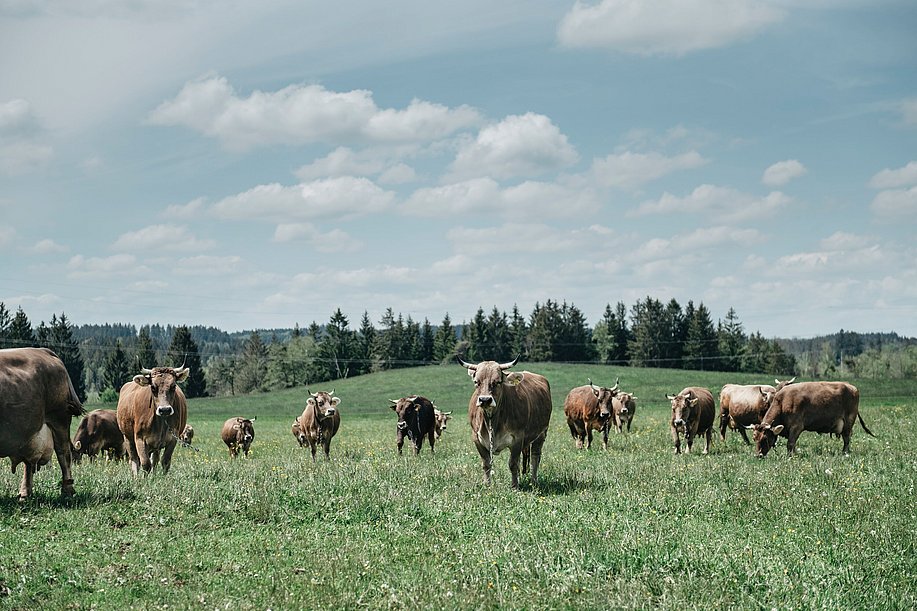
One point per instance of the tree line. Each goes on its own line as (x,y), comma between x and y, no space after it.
(650,333)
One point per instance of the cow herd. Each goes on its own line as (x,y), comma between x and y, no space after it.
(507,410)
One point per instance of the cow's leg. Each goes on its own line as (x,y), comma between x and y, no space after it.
(588,436)
(605,436)
(724,424)
(792,436)
(312,446)
(689,441)
(154,458)
(708,437)
(431,437)
(417,442)
(167,455)
(744,435)
(143,455)
(676,439)
(486,465)
(60,434)
(326,446)
(535,451)
(514,453)
(25,487)
(629,420)
(133,455)
(399,440)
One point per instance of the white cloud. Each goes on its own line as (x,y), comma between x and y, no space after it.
(783,172)
(513,237)
(722,203)
(398,174)
(328,242)
(909,111)
(294,232)
(630,170)
(458,198)
(894,179)
(6,235)
(340,198)
(519,145)
(81,268)
(207,266)
(664,27)
(344,161)
(48,246)
(899,203)
(21,149)
(186,211)
(161,239)
(303,114)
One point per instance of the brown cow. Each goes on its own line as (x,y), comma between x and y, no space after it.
(298,432)
(320,420)
(692,414)
(821,407)
(508,411)
(187,435)
(741,405)
(623,407)
(151,412)
(442,421)
(416,420)
(238,434)
(37,401)
(587,408)
(99,432)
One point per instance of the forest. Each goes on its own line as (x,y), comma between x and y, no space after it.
(651,333)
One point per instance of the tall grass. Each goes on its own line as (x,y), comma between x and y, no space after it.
(631,527)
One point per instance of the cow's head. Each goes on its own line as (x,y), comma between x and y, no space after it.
(779,385)
(406,409)
(162,382)
(245,430)
(298,432)
(489,378)
(765,436)
(622,405)
(683,404)
(442,420)
(187,434)
(605,397)
(324,403)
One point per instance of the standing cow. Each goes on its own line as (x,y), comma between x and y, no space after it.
(821,407)
(297,431)
(589,408)
(692,415)
(152,411)
(416,420)
(441,422)
(238,434)
(99,432)
(37,401)
(508,410)
(623,407)
(320,420)
(741,405)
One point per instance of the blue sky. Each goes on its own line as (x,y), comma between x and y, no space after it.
(259,164)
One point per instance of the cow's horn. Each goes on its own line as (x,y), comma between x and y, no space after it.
(393,402)
(332,392)
(145,371)
(510,364)
(616,384)
(467,365)
(594,387)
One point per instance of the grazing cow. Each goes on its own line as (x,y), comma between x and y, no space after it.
(298,432)
(623,408)
(151,412)
(238,434)
(320,420)
(416,420)
(187,435)
(741,405)
(37,401)
(441,422)
(587,408)
(99,432)
(508,410)
(821,407)
(692,414)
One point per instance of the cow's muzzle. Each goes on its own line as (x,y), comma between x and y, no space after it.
(604,416)
(402,425)
(164,410)
(485,401)
(330,412)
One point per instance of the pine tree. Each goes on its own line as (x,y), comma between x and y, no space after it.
(545,329)
(651,331)
(5,319)
(117,369)
(145,354)
(475,335)
(183,350)
(444,342)
(365,345)
(755,354)
(252,365)
(336,348)
(279,368)
(497,337)
(602,337)
(518,332)
(731,342)
(427,338)
(701,345)
(575,341)
(59,338)
(19,334)
(622,335)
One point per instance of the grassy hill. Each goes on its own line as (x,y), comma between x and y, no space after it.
(631,527)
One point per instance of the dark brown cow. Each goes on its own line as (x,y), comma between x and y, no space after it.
(821,407)
(37,401)
(442,421)
(298,432)
(99,432)
(741,405)
(320,420)
(187,435)
(623,407)
(588,408)
(692,414)
(238,434)
(152,411)
(508,411)
(416,420)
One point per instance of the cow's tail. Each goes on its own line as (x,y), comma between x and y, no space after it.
(74,405)
(863,424)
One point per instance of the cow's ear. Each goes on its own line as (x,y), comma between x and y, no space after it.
(776,430)
(141,380)
(310,402)
(335,401)
(750,426)
(470,372)
(515,378)
(236,427)
(182,374)
(693,401)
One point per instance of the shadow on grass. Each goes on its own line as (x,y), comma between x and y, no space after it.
(80,500)
(557,485)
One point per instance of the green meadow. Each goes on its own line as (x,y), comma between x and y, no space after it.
(633,527)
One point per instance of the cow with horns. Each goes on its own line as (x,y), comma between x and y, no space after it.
(416,420)
(508,410)
(320,421)
(589,408)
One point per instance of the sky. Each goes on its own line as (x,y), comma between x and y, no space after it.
(250,165)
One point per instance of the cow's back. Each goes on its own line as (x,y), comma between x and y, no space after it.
(744,403)
(815,405)
(705,407)
(581,404)
(529,405)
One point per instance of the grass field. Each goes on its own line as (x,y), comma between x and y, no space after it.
(632,527)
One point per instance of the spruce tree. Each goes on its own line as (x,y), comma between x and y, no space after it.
(651,331)
(117,369)
(5,319)
(444,342)
(475,335)
(701,344)
(427,338)
(59,338)
(183,350)
(518,332)
(19,333)
(364,355)
(497,336)
(252,365)
(731,342)
(145,357)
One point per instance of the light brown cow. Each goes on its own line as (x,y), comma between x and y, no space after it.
(508,411)
(187,435)
(692,414)
(442,422)
(297,431)
(589,408)
(741,405)
(152,411)
(37,401)
(623,407)
(821,407)
(320,420)
(98,432)
(238,434)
